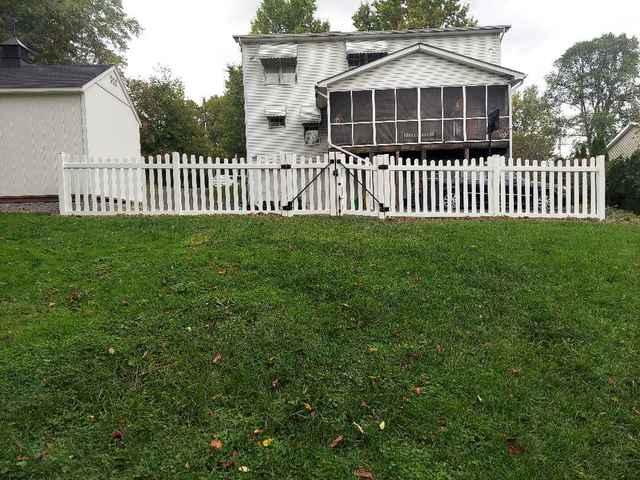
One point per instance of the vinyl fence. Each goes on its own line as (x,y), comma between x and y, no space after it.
(335,184)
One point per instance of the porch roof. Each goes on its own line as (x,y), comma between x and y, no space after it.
(513,76)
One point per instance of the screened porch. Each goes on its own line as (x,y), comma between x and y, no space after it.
(431,118)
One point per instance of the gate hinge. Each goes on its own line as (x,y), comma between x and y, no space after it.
(285,166)
(383,167)
(383,209)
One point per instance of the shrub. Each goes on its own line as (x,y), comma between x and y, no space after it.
(623,183)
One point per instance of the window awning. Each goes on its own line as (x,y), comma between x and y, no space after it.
(278,50)
(309,114)
(275,111)
(364,46)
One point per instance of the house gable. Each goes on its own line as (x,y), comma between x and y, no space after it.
(422,65)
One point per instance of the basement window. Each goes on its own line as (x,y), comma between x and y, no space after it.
(312,134)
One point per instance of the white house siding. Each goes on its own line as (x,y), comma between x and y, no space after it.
(419,70)
(321,59)
(111,125)
(627,145)
(33,128)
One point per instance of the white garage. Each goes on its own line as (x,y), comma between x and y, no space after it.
(48,109)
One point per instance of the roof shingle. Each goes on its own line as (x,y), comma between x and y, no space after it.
(49,76)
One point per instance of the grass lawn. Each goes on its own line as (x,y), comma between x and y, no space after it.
(193,348)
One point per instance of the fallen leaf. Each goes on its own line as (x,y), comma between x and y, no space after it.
(117,435)
(257,432)
(111,351)
(611,381)
(382,425)
(227,464)
(216,444)
(364,474)
(439,348)
(308,407)
(479,398)
(417,390)
(372,349)
(21,458)
(339,440)
(359,428)
(514,448)
(52,304)
(217,358)
(244,469)
(234,453)
(266,442)
(515,371)
(275,384)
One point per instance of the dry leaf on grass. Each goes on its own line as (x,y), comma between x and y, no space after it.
(514,448)
(216,444)
(339,440)
(417,390)
(217,358)
(364,474)
(382,425)
(267,442)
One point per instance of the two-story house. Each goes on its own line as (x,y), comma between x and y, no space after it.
(419,93)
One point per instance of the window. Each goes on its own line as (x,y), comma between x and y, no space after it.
(476,102)
(359,59)
(352,117)
(498,99)
(277,122)
(341,134)
(279,71)
(340,107)
(385,117)
(431,114)
(453,102)
(311,134)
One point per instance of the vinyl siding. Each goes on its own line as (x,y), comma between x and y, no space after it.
(627,145)
(321,59)
(112,127)
(33,129)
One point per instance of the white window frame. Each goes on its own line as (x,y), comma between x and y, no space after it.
(280,61)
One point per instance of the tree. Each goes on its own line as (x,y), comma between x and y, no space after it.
(223,117)
(536,125)
(411,14)
(287,16)
(71,31)
(600,80)
(170,122)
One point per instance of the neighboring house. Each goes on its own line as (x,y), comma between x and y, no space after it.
(626,143)
(419,93)
(48,109)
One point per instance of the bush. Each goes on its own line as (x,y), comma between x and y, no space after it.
(623,183)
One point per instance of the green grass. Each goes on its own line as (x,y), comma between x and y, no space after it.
(523,336)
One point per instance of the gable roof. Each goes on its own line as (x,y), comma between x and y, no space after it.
(49,76)
(621,134)
(422,32)
(513,75)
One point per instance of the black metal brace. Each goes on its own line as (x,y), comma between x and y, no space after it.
(383,209)
(383,167)
(285,166)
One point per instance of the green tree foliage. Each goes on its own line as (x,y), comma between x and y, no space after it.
(623,183)
(600,80)
(408,14)
(287,16)
(223,117)
(170,122)
(536,125)
(71,31)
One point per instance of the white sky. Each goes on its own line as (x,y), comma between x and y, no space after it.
(193,37)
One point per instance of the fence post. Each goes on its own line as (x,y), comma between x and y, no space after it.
(382,185)
(177,181)
(494,189)
(602,185)
(62,185)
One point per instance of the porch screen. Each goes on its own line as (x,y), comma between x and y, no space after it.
(498,98)
(341,123)
(453,114)
(431,114)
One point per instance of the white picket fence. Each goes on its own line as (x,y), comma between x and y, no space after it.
(334,184)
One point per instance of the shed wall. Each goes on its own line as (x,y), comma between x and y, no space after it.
(33,129)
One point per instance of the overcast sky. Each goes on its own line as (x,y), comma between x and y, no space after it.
(193,37)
